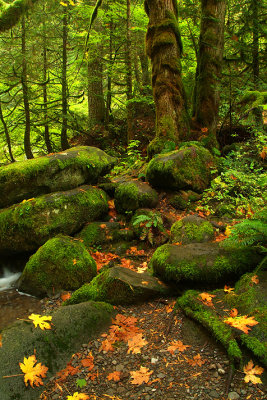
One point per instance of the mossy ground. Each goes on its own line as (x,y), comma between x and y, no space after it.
(132,195)
(191,231)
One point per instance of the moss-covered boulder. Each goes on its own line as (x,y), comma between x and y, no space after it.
(61,263)
(119,285)
(191,229)
(129,196)
(199,263)
(52,173)
(249,298)
(97,233)
(186,168)
(182,200)
(72,326)
(26,226)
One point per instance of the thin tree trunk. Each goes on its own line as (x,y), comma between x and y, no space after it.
(164,48)
(255,48)
(24,82)
(46,126)
(109,94)
(129,85)
(12,159)
(211,46)
(64,138)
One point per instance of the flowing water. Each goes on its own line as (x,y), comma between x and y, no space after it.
(13,304)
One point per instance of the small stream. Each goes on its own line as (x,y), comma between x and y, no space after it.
(13,304)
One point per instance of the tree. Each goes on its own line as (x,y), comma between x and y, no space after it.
(164,48)
(11,13)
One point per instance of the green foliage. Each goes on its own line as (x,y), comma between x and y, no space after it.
(130,160)
(150,224)
(80,383)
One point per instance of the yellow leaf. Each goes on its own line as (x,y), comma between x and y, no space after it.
(64,4)
(33,373)
(227,231)
(141,376)
(206,298)
(228,289)
(78,396)
(241,322)
(135,343)
(250,373)
(255,279)
(72,3)
(41,321)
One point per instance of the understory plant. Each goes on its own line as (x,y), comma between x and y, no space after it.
(150,225)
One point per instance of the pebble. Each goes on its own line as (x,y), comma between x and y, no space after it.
(233,396)
(214,393)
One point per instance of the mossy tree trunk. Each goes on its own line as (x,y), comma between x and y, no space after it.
(10,13)
(44,86)
(25,92)
(8,141)
(164,48)
(129,80)
(96,103)
(255,46)
(211,46)
(64,84)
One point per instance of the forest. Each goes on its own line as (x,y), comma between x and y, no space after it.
(133,219)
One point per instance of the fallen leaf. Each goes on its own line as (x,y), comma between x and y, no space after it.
(69,370)
(41,321)
(135,343)
(114,376)
(250,373)
(103,226)
(241,322)
(74,261)
(233,312)
(227,231)
(206,298)
(88,362)
(0,340)
(143,268)
(228,289)
(65,296)
(141,376)
(33,373)
(144,283)
(177,345)
(255,279)
(197,360)
(78,396)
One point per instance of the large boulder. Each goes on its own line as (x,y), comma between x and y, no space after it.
(191,229)
(131,195)
(249,299)
(198,263)
(97,233)
(72,326)
(119,285)
(52,173)
(26,226)
(186,168)
(61,263)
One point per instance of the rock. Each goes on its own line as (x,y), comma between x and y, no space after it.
(186,168)
(72,326)
(183,199)
(119,285)
(233,396)
(201,263)
(249,299)
(131,195)
(26,226)
(191,229)
(96,233)
(62,263)
(52,173)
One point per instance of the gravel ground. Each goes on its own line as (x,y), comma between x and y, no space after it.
(174,375)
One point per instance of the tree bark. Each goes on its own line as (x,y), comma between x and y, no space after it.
(12,159)
(46,126)
(164,48)
(129,83)
(64,94)
(255,46)
(109,82)
(210,57)
(25,91)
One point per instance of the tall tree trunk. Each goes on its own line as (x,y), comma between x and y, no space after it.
(164,48)
(129,84)
(24,82)
(46,126)
(109,94)
(255,48)
(210,56)
(64,94)
(12,159)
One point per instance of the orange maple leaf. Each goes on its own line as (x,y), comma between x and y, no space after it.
(135,343)
(206,298)
(103,226)
(0,340)
(240,322)
(141,376)
(33,373)
(88,362)
(69,370)
(74,261)
(114,376)
(78,396)
(228,289)
(255,279)
(250,373)
(197,360)
(177,345)
(143,268)
(65,296)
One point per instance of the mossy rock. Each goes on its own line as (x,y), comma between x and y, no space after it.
(182,200)
(62,263)
(120,285)
(52,173)
(198,263)
(249,299)
(72,326)
(191,229)
(186,168)
(129,196)
(97,233)
(26,226)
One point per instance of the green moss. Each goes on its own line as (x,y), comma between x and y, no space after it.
(130,196)
(186,232)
